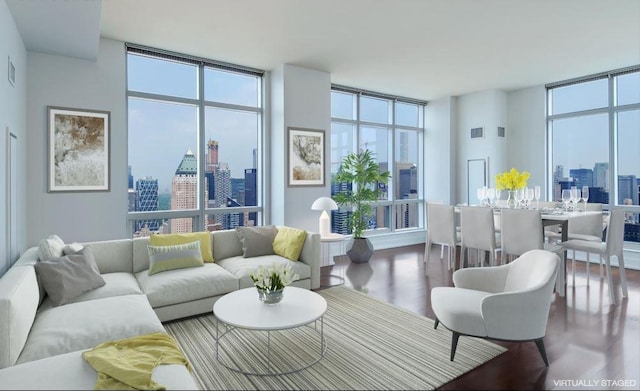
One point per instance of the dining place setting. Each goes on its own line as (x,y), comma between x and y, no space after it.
(510,219)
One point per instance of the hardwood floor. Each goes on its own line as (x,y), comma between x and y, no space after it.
(588,340)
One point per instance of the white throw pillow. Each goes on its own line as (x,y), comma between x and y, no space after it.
(50,248)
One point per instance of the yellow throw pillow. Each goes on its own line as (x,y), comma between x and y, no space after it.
(176,256)
(171,239)
(289,242)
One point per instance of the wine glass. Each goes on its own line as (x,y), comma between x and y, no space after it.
(525,199)
(491,194)
(530,195)
(585,196)
(481,193)
(575,196)
(498,191)
(538,193)
(566,198)
(519,196)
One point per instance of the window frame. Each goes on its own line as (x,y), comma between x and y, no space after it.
(199,215)
(611,110)
(356,124)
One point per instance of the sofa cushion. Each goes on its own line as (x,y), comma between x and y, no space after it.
(68,277)
(183,285)
(257,241)
(116,284)
(177,256)
(70,371)
(113,256)
(226,244)
(288,242)
(86,324)
(170,239)
(50,248)
(242,267)
(19,299)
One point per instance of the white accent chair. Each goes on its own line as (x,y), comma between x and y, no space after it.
(612,246)
(441,229)
(478,231)
(509,302)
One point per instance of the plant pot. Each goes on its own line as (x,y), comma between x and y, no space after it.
(360,250)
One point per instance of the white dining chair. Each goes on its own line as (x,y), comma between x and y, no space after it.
(612,246)
(522,231)
(441,229)
(442,246)
(589,227)
(478,232)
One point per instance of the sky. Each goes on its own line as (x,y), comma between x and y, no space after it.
(580,142)
(161,133)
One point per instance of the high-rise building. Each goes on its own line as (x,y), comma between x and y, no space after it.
(147,201)
(237,185)
(212,155)
(251,193)
(184,191)
(627,189)
(598,195)
(130,184)
(222,178)
(406,214)
(340,218)
(581,177)
(601,175)
(131,195)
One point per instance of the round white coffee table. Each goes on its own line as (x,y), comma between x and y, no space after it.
(242,310)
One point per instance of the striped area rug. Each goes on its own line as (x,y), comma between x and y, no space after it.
(371,345)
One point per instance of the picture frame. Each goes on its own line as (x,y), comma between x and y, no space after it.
(78,152)
(305,157)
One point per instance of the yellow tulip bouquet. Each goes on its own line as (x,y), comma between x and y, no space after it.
(512,180)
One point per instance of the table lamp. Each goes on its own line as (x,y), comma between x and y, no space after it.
(324,204)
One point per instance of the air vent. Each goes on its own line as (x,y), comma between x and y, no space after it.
(477,132)
(500,131)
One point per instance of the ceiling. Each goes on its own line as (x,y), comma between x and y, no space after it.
(423,49)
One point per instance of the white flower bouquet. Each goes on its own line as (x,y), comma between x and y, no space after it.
(273,278)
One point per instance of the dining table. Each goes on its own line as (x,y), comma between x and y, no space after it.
(550,217)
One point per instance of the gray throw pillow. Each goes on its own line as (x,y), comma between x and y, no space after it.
(257,241)
(68,277)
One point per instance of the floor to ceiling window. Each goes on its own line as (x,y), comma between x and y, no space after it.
(195,143)
(594,140)
(393,129)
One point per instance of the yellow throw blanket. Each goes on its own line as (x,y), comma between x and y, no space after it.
(128,363)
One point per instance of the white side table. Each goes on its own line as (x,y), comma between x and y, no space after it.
(325,248)
(326,258)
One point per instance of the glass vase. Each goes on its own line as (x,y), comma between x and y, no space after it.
(270,297)
(511,201)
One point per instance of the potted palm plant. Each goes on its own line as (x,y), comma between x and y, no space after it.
(363,173)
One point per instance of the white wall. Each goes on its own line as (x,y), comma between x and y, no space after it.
(526,133)
(13,104)
(487,109)
(440,150)
(301,98)
(70,82)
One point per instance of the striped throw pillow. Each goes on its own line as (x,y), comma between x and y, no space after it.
(177,256)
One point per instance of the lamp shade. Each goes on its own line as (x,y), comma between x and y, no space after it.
(324,203)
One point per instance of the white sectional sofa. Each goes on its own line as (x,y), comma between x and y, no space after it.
(41,345)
